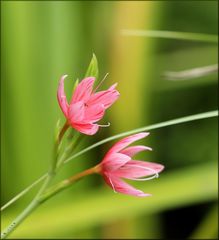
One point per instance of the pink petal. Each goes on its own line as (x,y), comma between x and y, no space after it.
(107,98)
(83,90)
(137,169)
(62,97)
(76,112)
(131,151)
(113,86)
(122,187)
(94,113)
(126,141)
(114,161)
(86,128)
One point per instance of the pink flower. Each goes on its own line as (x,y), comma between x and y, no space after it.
(118,164)
(86,106)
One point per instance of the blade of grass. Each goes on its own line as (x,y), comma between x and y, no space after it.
(146,128)
(191,73)
(201,37)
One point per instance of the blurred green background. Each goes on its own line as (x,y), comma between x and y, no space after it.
(42,40)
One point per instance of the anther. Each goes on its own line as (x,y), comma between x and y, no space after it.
(104,125)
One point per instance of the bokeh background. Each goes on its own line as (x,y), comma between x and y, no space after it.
(42,40)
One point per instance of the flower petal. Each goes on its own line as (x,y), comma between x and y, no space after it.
(113,86)
(126,141)
(83,90)
(76,112)
(122,187)
(62,97)
(137,169)
(131,151)
(107,98)
(94,113)
(86,128)
(114,161)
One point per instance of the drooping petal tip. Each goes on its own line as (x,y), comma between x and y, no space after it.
(123,143)
(62,97)
(133,150)
(143,134)
(144,195)
(113,86)
(64,76)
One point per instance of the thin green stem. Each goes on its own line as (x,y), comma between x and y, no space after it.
(23,192)
(67,182)
(147,128)
(68,150)
(27,211)
(35,202)
(15,223)
(171,35)
(62,132)
(43,195)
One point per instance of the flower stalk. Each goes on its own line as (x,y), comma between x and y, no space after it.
(43,195)
(67,183)
(62,132)
(27,211)
(37,199)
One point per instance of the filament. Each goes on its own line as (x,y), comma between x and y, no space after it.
(101,82)
(112,184)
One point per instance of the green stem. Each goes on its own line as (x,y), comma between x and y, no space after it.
(67,182)
(24,191)
(43,195)
(146,128)
(62,132)
(27,211)
(14,224)
(57,147)
(36,201)
(70,147)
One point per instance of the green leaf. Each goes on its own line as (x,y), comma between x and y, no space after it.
(92,70)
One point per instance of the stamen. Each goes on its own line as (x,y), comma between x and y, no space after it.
(101,82)
(112,184)
(104,125)
(156,175)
